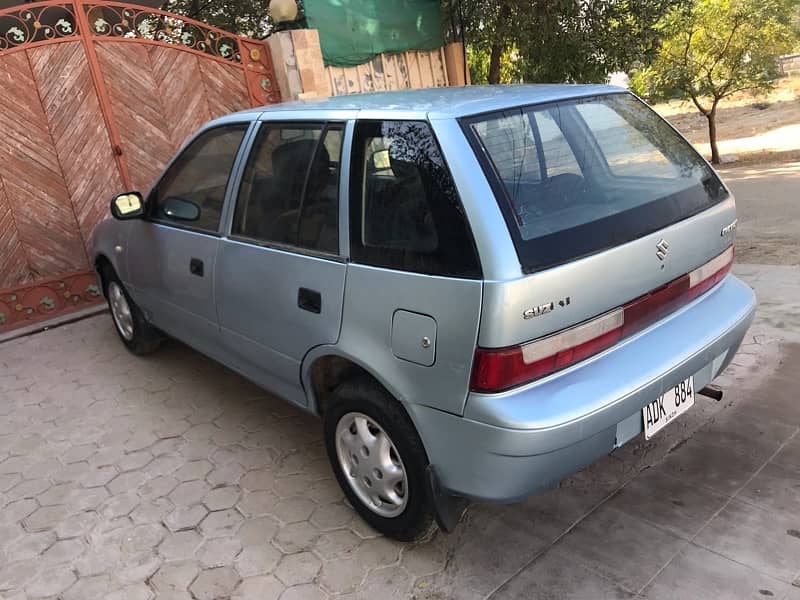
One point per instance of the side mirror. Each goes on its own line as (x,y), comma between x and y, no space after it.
(129,205)
(180,209)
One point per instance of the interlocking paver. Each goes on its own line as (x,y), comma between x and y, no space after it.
(218,552)
(341,575)
(125,482)
(180,545)
(98,476)
(138,591)
(227,474)
(295,537)
(32,545)
(195,469)
(46,517)
(9,480)
(254,504)
(295,569)
(257,560)
(222,497)
(175,577)
(56,582)
(158,486)
(257,530)
(78,524)
(332,516)
(29,488)
(262,479)
(120,504)
(215,583)
(185,517)
(64,551)
(221,523)
(292,510)
(190,492)
(134,460)
(88,588)
(262,587)
(333,544)
(152,511)
(116,522)
(304,592)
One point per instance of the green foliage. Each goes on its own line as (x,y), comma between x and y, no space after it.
(716,48)
(563,40)
(247,17)
(478,63)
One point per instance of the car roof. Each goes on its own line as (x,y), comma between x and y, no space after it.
(443,102)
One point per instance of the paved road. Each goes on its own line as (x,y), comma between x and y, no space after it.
(170,476)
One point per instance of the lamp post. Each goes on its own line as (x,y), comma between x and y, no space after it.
(284,14)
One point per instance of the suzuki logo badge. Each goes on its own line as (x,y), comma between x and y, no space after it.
(662,249)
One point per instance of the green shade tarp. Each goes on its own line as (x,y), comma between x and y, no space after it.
(353,31)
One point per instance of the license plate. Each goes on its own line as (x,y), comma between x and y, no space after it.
(667,407)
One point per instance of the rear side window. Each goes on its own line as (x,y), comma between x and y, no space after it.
(405,211)
(290,188)
(580,176)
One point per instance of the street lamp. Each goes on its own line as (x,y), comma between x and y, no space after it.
(284,14)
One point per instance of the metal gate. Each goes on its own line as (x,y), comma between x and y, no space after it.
(94,98)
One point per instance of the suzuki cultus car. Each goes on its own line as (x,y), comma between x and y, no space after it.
(479,290)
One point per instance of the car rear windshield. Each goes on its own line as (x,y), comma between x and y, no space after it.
(580,176)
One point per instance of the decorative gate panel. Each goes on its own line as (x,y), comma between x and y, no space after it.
(95,98)
(79,133)
(138,115)
(33,181)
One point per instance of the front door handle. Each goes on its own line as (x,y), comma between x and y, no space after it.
(309,300)
(196,267)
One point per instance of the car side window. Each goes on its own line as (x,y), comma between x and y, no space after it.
(192,191)
(405,212)
(290,188)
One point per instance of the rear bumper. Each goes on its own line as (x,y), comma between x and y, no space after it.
(508,446)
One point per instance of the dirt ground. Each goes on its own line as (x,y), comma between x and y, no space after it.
(753,128)
(768,206)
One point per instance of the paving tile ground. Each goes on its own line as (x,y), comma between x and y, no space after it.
(171,477)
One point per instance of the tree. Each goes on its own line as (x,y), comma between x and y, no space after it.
(715,48)
(247,17)
(558,40)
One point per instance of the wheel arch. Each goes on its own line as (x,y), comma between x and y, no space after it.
(101,265)
(325,367)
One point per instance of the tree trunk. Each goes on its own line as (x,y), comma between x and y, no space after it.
(499,45)
(712,134)
(494,62)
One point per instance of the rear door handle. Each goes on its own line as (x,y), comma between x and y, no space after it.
(196,267)
(309,300)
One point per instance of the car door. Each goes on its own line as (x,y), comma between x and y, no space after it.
(171,253)
(280,277)
(414,284)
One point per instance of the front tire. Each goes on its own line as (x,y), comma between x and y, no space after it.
(378,459)
(138,336)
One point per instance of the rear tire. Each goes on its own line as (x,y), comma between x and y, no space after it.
(138,336)
(378,459)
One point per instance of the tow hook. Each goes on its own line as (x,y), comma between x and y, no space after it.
(712,391)
(448,509)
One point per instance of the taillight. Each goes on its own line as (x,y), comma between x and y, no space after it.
(498,369)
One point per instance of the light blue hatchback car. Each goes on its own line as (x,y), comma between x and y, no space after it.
(480,290)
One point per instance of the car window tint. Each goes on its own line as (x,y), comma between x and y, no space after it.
(558,156)
(509,140)
(626,149)
(289,192)
(199,177)
(405,211)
